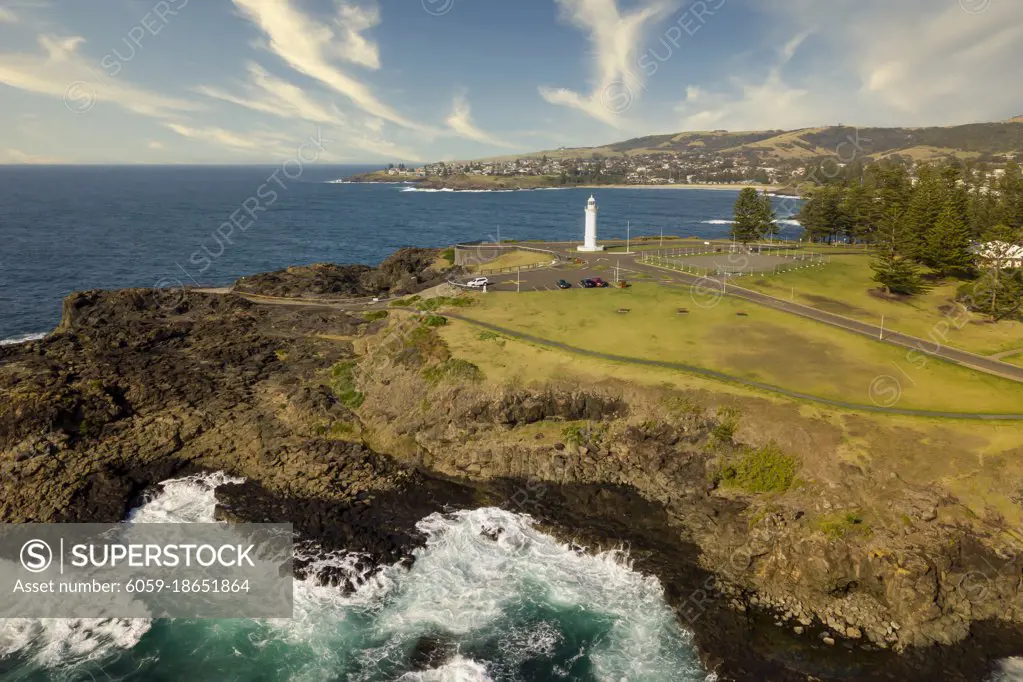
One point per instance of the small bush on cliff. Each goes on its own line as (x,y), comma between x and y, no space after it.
(724,431)
(431,304)
(581,434)
(405,302)
(342,382)
(453,369)
(760,470)
(448,255)
(374,315)
(837,526)
(434,320)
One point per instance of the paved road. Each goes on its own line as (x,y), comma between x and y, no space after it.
(602,265)
(917,348)
(701,371)
(692,369)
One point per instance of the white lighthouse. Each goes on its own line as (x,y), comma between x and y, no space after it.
(590,239)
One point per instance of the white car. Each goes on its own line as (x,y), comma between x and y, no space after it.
(478,283)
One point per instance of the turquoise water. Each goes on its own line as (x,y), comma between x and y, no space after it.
(521,607)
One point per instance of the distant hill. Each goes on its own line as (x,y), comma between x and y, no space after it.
(965,141)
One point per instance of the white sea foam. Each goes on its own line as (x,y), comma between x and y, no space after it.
(782,221)
(191,499)
(457,670)
(1009,670)
(481,191)
(68,642)
(464,587)
(23,338)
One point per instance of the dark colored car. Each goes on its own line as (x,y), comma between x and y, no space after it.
(598,282)
(563,284)
(587,283)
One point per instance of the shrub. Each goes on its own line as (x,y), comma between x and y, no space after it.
(434,321)
(837,526)
(406,302)
(581,434)
(281,355)
(431,304)
(374,315)
(762,470)
(724,431)
(342,383)
(453,369)
(448,255)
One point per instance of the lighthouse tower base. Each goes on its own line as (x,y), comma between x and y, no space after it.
(589,249)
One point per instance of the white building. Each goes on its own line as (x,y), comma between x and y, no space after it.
(590,237)
(1000,254)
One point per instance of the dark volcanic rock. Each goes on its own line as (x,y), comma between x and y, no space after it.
(405,271)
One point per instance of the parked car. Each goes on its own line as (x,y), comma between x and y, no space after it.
(587,284)
(478,283)
(563,284)
(598,282)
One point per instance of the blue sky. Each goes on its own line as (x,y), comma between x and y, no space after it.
(250,81)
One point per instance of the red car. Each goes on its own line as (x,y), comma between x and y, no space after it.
(600,283)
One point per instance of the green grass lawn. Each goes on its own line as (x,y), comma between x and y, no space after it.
(844,285)
(764,345)
(1014,360)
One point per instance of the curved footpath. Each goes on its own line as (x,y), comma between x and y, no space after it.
(721,376)
(961,357)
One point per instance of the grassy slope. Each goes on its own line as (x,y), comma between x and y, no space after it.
(512,259)
(979,462)
(843,287)
(767,346)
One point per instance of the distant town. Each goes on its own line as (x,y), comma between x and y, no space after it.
(782,159)
(635,169)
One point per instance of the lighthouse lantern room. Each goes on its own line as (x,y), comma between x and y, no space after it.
(590,237)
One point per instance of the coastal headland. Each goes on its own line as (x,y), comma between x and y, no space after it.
(796,538)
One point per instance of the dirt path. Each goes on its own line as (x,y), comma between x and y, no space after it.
(1006,354)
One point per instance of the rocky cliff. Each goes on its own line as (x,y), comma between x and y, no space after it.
(355,429)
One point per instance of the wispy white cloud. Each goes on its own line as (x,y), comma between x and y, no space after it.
(856,65)
(353,46)
(16,156)
(7,16)
(615,38)
(62,72)
(461,122)
(307,46)
(224,138)
(269,94)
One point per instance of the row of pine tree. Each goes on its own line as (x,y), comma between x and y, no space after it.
(925,223)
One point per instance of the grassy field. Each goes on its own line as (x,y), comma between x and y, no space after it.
(511,259)
(981,463)
(749,342)
(843,287)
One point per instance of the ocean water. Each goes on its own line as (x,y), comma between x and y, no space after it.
(64,229)
(524,607)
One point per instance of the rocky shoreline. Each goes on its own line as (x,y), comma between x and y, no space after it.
(135,387)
